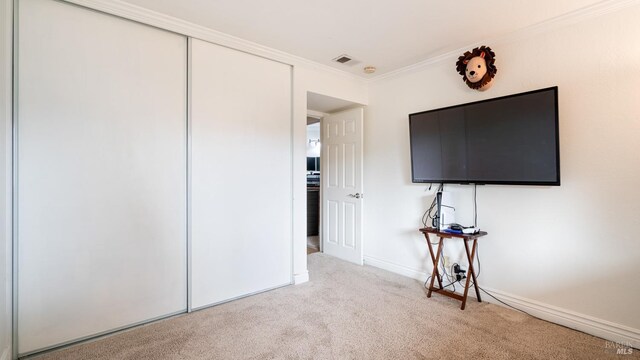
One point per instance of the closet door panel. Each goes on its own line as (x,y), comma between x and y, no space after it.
(101,173)
(241,174)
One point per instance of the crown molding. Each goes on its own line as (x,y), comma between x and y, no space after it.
(173,24)
(166,22)
(570,18)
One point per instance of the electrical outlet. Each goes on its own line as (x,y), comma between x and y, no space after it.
(447,262)
(459,272)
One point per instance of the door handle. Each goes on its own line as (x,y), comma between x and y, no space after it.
(356,195)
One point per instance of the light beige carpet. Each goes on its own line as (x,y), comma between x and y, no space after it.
(313,244)
(347,312)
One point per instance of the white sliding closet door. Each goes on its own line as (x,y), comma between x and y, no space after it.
(101,173)
(241,174)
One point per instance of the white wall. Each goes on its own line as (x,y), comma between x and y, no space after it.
(5,179)
(570,247)
(317,80)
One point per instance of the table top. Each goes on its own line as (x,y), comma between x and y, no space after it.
(448,235)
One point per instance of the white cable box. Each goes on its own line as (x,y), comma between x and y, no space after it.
(446,210)
(470,230)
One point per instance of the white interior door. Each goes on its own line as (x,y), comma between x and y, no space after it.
(101,166)
(342,185)
(241,174)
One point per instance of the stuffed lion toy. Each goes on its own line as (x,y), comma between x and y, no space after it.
(478,68)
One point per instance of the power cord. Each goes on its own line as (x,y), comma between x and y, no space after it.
(434,217)
(429,215)
(443,274)
(504,303)
(488,293)
(451,279)
(475,205)
(475,224)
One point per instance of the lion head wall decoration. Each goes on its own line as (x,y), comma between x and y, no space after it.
(478,67)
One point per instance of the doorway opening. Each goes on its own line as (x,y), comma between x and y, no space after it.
(334,177)
(313,184)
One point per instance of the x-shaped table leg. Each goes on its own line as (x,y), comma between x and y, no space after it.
(435,258)
(470,272)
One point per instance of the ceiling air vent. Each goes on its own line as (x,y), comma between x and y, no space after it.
(343,59)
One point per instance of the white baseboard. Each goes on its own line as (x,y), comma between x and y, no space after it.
(301,278)
(571,319)
(395,268)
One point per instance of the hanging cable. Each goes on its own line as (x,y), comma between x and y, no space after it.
(475,205)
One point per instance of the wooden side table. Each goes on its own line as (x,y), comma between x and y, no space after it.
(436,258)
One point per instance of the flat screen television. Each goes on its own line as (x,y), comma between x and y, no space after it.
(509,140)
(313,164)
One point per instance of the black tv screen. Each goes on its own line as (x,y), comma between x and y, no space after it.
(507,140)
(313,164)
